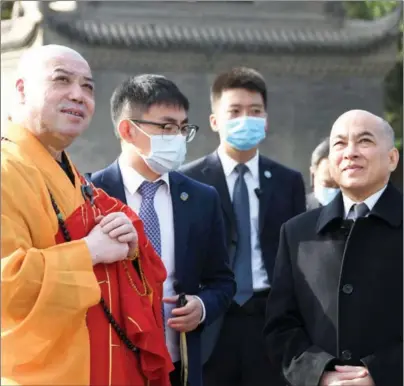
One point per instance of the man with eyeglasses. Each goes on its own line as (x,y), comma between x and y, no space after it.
(182,217)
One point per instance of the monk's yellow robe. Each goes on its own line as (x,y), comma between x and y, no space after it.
(47,288)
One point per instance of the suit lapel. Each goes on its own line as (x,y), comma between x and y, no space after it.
(214,174)
(113,183)
(266,189)
(182,204)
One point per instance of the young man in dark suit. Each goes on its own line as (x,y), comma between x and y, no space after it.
(182,217)
(258,195)
(335,313)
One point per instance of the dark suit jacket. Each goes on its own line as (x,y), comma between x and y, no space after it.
(201,258)
(281,197)
(337,294)
(312,202)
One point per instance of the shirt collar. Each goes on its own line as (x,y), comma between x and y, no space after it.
(370,201)
(229,163)
(132,179)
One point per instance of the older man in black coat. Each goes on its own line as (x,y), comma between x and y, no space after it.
(335,313)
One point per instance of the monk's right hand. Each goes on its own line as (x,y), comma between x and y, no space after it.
(105,249)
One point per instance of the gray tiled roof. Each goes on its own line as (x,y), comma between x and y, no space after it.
(354,36)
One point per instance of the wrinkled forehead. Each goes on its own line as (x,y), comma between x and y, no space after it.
(355,125)
(71,63)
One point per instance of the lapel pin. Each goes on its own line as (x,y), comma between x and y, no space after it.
(184,196)
(267,174)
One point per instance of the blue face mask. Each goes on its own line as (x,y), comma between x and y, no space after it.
(324,194)
(245,133)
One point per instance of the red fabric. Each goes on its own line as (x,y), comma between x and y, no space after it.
(140,317)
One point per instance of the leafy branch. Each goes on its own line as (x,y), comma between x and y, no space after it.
(393,84)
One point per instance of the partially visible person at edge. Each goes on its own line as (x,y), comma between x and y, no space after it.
(258,195)
(182,217)
(323,185)
(335,313)
(67,249)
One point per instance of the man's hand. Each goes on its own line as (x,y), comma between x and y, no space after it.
(185,318)
(118,226)
(360,381)
(366,381)
(344,374)
(104,249)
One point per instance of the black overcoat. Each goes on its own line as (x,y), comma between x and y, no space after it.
(337,293)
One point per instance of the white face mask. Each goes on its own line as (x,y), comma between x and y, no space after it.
(324,194)
(165,154)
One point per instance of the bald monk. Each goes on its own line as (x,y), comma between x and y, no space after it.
(81,285)
(335,312)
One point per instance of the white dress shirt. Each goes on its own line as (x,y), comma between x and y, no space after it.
(164,210)
(370,203)
(251,177)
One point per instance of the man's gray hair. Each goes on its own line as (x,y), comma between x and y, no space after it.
(389,132)
(320,152)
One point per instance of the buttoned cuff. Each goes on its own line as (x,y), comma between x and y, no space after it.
(203,310)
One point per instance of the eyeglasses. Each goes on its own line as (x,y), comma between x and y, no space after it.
(169,130)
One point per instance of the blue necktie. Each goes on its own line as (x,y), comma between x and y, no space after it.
(242,260)
(148,214)
(151,223)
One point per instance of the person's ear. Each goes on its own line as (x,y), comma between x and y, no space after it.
(312,169)
(213,123)
(394,157)
(125,131)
